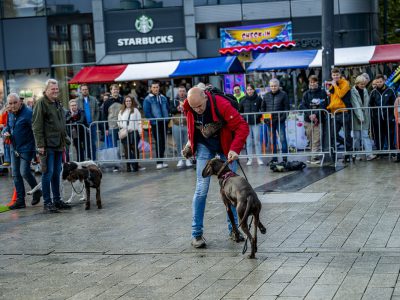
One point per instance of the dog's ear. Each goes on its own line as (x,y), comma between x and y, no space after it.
(207,171)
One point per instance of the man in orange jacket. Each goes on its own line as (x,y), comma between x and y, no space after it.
(339,92)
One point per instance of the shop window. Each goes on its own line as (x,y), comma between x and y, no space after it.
(60,7)
(71,43)
(214,2)
(139,4)
(23,8)
(28,83)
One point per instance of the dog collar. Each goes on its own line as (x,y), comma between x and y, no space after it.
(226,176)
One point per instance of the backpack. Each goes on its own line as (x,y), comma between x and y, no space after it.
(287,166)
(231,99)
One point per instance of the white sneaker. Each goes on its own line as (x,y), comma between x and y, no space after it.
(260,162)
(142,168)
(315,161)
(371,157)
(159,166)
(180,163)
(188,163)
(249,162)
(164,165)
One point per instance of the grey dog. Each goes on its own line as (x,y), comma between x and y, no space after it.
(235,190)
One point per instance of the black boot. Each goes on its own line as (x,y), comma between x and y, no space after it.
(17,205)
(36,197)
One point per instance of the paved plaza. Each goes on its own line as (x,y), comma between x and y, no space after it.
(338,238)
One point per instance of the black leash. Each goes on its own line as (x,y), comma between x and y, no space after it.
(83,187)
(251,221)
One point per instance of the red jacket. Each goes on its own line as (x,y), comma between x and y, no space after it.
(234,133)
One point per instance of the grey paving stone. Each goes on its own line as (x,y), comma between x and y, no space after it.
(322,292)
(299,287)
(271,289)
(346,245)
(374,293)
(383,280)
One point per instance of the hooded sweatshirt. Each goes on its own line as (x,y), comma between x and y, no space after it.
(337,94)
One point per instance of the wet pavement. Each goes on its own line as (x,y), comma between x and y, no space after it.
(338,238)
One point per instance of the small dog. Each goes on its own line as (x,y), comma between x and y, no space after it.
(235,190)
(88,173)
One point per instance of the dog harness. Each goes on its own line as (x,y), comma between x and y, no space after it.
(225,177)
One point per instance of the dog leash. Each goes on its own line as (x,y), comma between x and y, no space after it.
(83,187)
(251,221)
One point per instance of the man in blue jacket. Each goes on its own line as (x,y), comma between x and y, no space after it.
(155,105)
(19,129)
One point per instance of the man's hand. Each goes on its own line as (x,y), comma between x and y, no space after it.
(106,132)
(187,151)
(312,117)
(41,150)
(6,134)
(232,155)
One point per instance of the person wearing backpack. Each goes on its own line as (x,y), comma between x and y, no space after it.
(214,127)
(276,100)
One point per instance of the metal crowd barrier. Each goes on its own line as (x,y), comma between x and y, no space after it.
(284,134)
(366,131)
(155,142)
(276,134)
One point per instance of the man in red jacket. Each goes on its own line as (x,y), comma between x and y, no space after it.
(227,141)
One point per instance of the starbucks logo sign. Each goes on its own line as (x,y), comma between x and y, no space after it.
(144,24)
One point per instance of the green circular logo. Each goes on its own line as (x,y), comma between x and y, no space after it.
(144,24)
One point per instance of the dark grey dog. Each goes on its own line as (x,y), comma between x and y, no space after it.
(237,191)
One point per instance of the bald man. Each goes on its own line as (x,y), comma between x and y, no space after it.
(226,142)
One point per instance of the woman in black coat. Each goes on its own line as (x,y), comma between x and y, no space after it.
(251,105)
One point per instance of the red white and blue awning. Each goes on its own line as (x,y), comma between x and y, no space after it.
(352,56)
(159,70)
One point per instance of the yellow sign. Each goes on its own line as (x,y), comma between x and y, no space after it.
(267,116)
(256,35)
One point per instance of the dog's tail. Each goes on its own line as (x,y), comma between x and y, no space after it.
(247,211)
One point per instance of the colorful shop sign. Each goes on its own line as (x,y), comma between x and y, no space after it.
(256,37)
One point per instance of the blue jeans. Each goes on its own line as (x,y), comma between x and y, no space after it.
(278,128)
(180,137)
(253,137)
(7,154)
(203,154)
(21,169)
(52,177)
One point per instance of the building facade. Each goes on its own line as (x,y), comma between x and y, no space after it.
(56,38)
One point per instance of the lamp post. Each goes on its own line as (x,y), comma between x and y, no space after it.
(328,59)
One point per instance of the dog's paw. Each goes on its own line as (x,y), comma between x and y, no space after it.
(263,230)
(87,207)
(251,256)
(99,206)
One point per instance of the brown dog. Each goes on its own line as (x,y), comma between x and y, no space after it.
(235,190)
(89,174)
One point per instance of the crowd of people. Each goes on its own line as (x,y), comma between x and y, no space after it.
(44,129)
